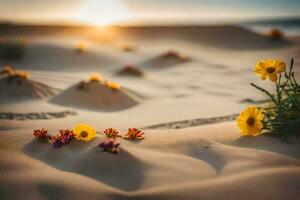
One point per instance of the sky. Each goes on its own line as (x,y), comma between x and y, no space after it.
(111,12)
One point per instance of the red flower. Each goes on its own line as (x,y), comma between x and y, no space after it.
(64,137)
(40,133)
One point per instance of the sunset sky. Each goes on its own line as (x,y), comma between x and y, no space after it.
(106,12)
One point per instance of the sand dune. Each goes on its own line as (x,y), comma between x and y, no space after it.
(17,89)
(130,70)
(166,59)
(178,159)
(203,162)
(96,96)
(223,36)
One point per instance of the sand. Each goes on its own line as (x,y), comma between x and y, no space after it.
(192,147)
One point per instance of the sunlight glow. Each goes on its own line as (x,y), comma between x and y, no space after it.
(102,13)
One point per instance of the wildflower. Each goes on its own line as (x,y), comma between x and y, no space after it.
(84,132)
(95,77)
(270,69)
(41,134)
(250,121)
(134,133)
(21,74)
(8,70)
(111,133)
(63,137)
(113,85)
(66,135)
(111,145)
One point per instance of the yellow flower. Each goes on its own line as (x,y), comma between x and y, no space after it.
(113,85)
(250,121)
(95,77)
(84,132)
(21,74)
(270,69)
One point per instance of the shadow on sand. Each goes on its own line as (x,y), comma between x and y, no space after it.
(123,170)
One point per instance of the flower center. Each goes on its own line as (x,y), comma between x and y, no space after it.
(271,70)
(84,134)
(250,121)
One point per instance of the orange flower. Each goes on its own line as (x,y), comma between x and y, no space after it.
(111,133)
(134,133)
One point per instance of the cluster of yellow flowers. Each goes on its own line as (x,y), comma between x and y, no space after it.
(13,73)
(97,77)
(250,121)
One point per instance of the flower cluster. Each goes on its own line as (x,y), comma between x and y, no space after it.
(11,72)
(41,134)
(282,117)
(84,132)
(63,137)
(84,85)
(110,144)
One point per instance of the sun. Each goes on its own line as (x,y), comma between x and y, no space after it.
(102,13)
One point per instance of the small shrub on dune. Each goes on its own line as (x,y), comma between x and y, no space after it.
(282,117)
(131,70)
(173,53)
(80,48)
(276,34)
(11,50)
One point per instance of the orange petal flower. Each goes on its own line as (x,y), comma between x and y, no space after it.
(40,133)
(111,133)
(134,133)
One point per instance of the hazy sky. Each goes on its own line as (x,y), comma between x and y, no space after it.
(104,12)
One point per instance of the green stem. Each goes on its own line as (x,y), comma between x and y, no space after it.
(266,92)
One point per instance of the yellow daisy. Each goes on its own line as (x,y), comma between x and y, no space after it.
(95,77)
(269,69)
(113,85)
(84,132)
(250,121)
